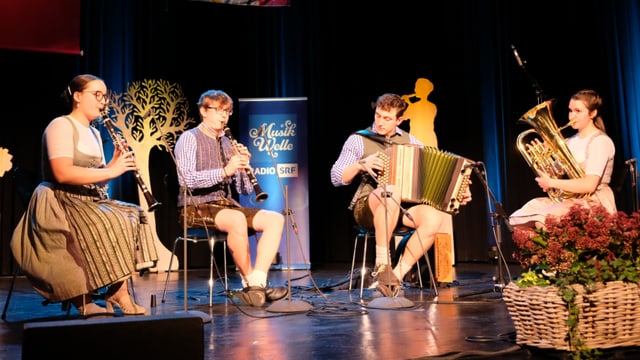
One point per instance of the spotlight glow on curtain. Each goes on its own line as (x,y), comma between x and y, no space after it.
(40,25)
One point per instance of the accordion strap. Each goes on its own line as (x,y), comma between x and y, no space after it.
(365,181)
(373,136)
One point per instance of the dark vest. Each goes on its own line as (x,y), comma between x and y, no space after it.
(372,144)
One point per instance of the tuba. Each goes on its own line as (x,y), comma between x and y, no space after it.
(551,156)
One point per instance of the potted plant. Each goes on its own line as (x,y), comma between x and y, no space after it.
(580,282)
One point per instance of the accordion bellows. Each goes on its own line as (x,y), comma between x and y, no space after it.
(427,175)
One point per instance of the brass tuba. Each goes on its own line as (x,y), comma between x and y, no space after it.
(551,156)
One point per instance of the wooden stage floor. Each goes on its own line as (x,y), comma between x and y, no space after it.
(321,319)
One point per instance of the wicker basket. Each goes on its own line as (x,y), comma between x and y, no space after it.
(609,317)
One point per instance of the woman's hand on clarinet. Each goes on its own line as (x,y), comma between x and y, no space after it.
(122,162)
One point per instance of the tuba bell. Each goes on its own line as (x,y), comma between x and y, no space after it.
(551,155)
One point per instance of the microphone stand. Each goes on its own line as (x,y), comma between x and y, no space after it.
(383,302)
(206,318)
(288,305)
(498,214)
(534,83)
(634,183)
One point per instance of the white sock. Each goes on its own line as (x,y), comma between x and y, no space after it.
(382,256)
(402,269)
(257,278)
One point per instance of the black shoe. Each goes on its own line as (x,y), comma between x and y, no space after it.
(276,293)
(253,296)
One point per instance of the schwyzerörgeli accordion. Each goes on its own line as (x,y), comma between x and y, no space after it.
(427,175)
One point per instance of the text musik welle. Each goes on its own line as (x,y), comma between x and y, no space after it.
(275,140)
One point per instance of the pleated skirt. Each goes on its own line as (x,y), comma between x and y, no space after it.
(70,243)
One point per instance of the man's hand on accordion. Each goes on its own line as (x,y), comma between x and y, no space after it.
(466,197)
(372,164)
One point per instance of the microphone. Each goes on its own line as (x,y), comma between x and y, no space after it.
(515,53)
(472,164)
(630,161)
(406,213)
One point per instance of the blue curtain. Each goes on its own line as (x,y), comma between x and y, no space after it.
(111,56)
(625,73)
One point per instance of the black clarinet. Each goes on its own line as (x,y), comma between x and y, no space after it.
(121,144)
(260,195)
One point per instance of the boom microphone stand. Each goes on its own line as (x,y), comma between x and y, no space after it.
(288,305)
(206,318)
(633,171)
(534,83)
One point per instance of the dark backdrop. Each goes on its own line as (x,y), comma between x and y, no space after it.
(341,56)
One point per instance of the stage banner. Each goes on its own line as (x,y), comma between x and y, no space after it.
(51,26)
(275,131)
(262,3)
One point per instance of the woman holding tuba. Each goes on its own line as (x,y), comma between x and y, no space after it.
(73,240)
(209,164)
(587,161)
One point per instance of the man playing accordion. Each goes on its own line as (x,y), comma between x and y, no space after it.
(380,207)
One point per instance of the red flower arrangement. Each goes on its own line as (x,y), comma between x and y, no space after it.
(584,246)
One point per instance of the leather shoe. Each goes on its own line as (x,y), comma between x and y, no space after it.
(276,293)
(253,296)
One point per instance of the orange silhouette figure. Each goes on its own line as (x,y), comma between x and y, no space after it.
(5,161)
(422,113)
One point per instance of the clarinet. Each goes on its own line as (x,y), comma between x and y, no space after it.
(121,144)
(260,195)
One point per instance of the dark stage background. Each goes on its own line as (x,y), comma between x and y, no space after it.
(341,55)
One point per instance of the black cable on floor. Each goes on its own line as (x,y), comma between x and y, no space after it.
(474,354)
(510,336)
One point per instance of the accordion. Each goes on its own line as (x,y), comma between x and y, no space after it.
(426,175)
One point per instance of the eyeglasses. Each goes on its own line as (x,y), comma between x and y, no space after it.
(98,94)
(227,112)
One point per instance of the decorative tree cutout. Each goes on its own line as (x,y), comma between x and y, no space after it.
(147,112)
